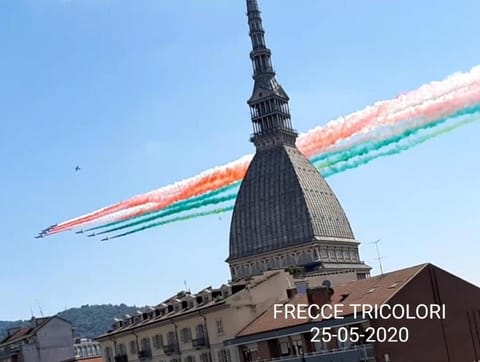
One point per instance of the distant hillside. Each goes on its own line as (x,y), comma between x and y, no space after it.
(88,320)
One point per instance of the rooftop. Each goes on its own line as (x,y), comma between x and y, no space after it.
(374,290)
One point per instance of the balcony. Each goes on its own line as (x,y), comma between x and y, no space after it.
(363,353)
(199,342)
(9,351)
(121,358)
(145,354)
(170,348)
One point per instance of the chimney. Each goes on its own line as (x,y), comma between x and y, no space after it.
(291,292)
(319,295)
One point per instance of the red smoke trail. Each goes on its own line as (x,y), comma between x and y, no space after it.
(422,115)
(208,181)
(432,100)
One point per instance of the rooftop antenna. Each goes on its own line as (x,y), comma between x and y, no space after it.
(379,258)
(40,308)
(186,288)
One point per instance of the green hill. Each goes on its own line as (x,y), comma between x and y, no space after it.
(88,321)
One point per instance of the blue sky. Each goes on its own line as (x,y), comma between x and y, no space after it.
(147,92)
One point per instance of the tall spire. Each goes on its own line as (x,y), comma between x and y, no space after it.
(269,102)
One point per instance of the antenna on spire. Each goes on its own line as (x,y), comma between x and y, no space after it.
(379,258)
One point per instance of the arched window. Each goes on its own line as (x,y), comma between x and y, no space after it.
(200,331)
(145,343)
(157,341)
(171,338)
(108,354)
(133,347)
(185,335)
(189,359)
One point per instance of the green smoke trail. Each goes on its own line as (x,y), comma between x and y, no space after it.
(142,220)
(370,156)
(180,218)
(177,207)
(327,169)
(334,157)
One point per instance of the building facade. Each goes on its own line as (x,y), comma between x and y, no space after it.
(47,339)
(285,215)
(193,327)
(86,348)
(455,336)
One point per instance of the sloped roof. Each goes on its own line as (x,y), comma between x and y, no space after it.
(374,290)
(284,201)
(27,331)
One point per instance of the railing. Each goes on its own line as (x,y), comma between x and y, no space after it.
(146,353)
(121,358)
(170,348)
(199,342)
(361,353)
(7,351)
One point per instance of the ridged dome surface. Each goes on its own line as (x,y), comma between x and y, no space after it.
(283,202)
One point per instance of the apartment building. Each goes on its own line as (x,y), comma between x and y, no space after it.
(353,337)
(48,339)
(193,327)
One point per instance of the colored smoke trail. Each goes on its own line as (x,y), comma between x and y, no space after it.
(180,209)
(181,206)
(415,141)
(332,158)
(180,218)
(361,160)
(426,103)
(360,155)
(432,100)
(206,181)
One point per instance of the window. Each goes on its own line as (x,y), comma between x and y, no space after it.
(284,348)
(199,331)
(186,335)
(219,327)
(224,355)
(190,359)
(133,347)
(204,357)
(171,338)
(298,347)
(145,343)
(108,354)
(157,341)
(121,349)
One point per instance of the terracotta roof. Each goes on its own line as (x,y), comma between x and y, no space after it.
(257,280)
(25,332)
(90,359)
(165,317)
(374,290)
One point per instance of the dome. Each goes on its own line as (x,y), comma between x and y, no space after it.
(284,202)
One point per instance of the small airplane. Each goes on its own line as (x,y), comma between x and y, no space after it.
(77,168)
(104,239)
(79,232)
